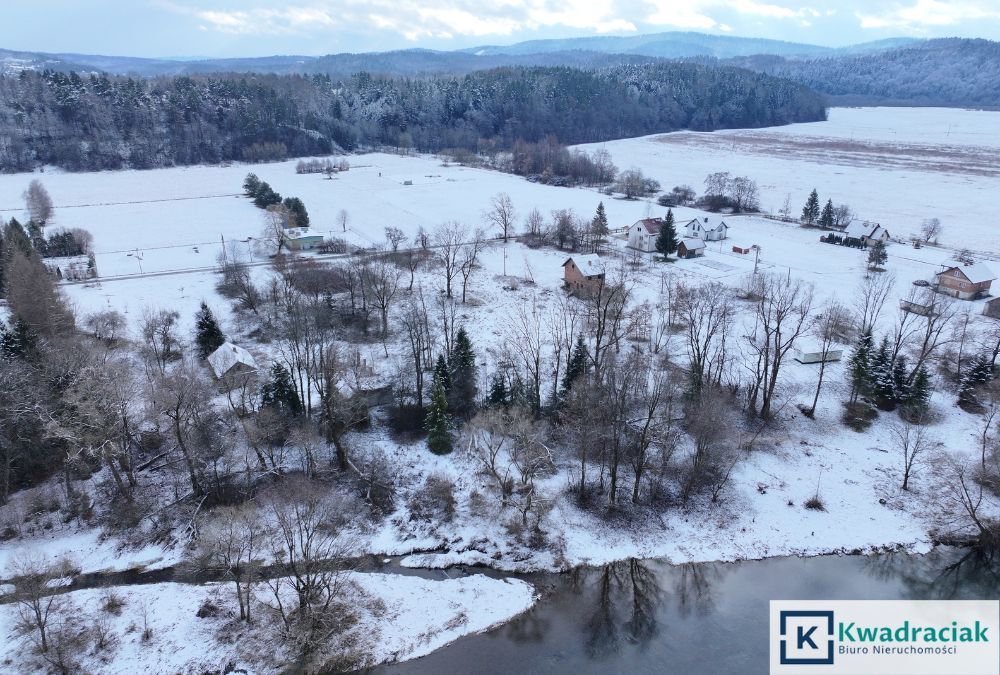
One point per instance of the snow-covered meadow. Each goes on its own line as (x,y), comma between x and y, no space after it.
(175,219)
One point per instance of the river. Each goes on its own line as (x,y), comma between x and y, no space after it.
(652,617)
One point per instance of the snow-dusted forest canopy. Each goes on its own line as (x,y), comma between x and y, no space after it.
(93,122)
(947,72)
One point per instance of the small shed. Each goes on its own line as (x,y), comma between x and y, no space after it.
(741,249)
(690,248)
(992,308)
(812,352)
(229,360)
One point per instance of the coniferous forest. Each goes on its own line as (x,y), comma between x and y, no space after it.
(94,122)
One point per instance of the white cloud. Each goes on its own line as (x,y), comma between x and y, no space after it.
(921,15)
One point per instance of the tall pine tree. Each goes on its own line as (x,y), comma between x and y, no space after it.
(599,225)
(666,241)
(437,422)
(860,366)
(442,374)
(208,336)
(810,212)
(498,391)
(577,365)
(826,218)
(462,367)
(279,391)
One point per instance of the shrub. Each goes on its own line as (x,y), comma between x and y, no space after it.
(434,501)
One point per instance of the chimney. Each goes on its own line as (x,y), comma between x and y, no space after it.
(706,219)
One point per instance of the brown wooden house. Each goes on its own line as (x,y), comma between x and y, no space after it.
(967,282)
(583,273)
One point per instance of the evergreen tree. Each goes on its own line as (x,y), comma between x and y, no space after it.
(208,335)
(462,365)
(442,373)
(437,423)
(599,225)
(15,238)
(279,391)
(265,196)
(877,255)
(918,395)
(251,184)
(860,366)
(18,341)
(666,241)
(810,212)
(298,211)
(498,391)
(900,383)
(577,365)
(826,218)
(979,373)
(882,384)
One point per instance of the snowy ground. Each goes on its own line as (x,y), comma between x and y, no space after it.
(894,166)
(762,512)
(400,618)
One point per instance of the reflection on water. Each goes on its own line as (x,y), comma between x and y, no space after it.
(648,616)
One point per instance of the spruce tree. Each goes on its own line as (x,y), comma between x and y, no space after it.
(498,391)
(666,241)
(251,184)
(437,423)
(826,218)
(442,374)
(980,373)
(810,212)
(599,225)
(577,365)
(297,209)
(462,366)
(280,393)
(882,384)
(877,255)
(900,383)
(918,395)
(860,366)
(18,341)
(208,335)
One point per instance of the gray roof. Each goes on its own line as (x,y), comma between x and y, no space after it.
(692,244)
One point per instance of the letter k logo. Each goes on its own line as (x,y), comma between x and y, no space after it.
(805,636)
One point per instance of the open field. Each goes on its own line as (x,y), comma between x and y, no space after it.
(895,166)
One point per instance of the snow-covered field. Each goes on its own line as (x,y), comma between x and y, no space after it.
(400,618)
(894,166)
(176,218)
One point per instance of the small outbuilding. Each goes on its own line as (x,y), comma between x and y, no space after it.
(707,229)
(301,239)
(583,273)
(808,352)
(230,360)
(967,282)
(690,248)
(992,308)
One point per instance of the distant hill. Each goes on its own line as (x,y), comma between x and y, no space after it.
(945,72)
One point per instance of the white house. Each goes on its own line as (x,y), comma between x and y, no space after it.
(707,229)
(642,235)
(230,359)
(867,231)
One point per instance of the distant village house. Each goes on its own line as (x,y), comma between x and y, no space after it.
(583,273)
(642,235)
(707,229)
(301,239)
(866,232)
(967,282)
(231,360)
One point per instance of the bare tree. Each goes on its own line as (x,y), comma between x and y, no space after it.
(781,316)
(829,326)
(234,542)
(501,215)
(706,312)
(37,604)
(871,296)
(468,258)
(383,282)
(930,230)
(913,443)
(159,332)
(395,237)
(631,183)
(448,240)
(107,326)
(526,342)
(185,399)
(343,219)
(534,225)
(38,202)
(607,308)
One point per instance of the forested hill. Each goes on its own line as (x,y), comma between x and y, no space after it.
(947,72)
(98,122)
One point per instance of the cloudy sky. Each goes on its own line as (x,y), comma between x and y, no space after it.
(216,28)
